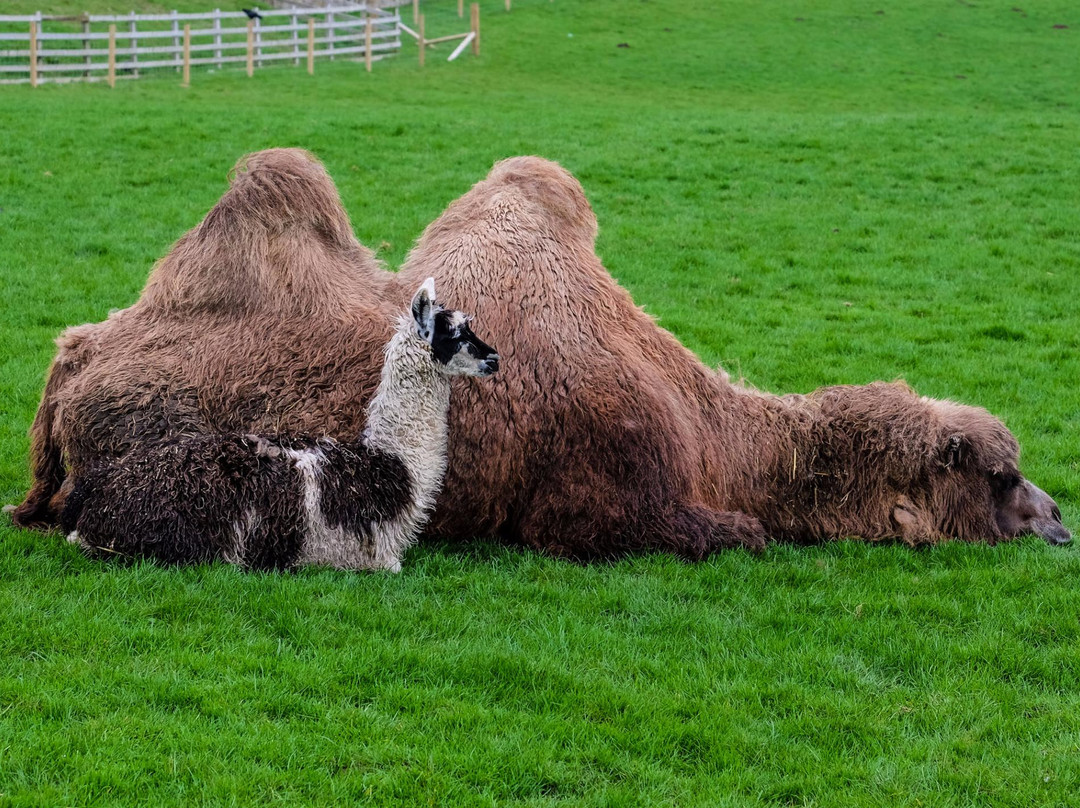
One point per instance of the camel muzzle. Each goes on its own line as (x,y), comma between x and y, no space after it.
(1047,521)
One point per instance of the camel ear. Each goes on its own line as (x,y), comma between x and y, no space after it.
(423,310)
(955,451)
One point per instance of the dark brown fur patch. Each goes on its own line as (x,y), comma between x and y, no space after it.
(176,501)
(179,501)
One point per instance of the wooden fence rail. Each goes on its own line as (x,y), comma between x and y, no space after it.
(92,47)
(472,36)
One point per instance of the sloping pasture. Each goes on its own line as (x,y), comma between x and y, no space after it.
(805,193)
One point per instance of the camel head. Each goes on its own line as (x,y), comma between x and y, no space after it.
(1022,507)
(980,481)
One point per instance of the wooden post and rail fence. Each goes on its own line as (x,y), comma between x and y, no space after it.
(470,37)
(90,47)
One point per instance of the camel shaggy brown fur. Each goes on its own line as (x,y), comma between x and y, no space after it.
(604,434)
(267,317)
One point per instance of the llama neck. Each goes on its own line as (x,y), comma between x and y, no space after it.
(407,416)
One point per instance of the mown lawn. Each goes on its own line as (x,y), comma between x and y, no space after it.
(805,193)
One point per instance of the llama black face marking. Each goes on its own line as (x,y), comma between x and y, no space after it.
(456,347)
(457,351)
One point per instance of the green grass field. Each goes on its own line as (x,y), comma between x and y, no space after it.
(805,193)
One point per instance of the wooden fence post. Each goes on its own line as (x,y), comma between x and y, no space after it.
(507,5)
(416,12)
(86,44)
(33,53)
(311,46)
(187,57)
(474,14)
(461,8)
(420,40)
(251,49)
(112,55)
(367,43)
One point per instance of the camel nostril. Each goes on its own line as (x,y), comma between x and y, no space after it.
(1053,532)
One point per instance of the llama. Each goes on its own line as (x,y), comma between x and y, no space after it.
(281,502)
(605,435)
(268,317)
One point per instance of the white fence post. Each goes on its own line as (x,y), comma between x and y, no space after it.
(176,39)
(133,44)
(330,35)
(186,81)
(217,37)
(295,21)
(258,40)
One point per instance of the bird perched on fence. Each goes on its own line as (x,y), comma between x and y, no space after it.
(253,14)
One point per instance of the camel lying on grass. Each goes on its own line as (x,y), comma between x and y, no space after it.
(602,435)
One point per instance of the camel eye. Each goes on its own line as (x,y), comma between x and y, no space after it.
(1004,482)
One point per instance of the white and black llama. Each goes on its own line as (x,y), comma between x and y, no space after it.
(279,502)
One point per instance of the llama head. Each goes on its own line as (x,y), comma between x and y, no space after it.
(455,349)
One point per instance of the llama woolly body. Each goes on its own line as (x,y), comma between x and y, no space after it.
(279,502)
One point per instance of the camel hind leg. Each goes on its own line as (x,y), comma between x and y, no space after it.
(694,532)
(606,524)
(41,507)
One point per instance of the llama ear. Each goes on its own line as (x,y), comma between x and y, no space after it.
(423,310)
